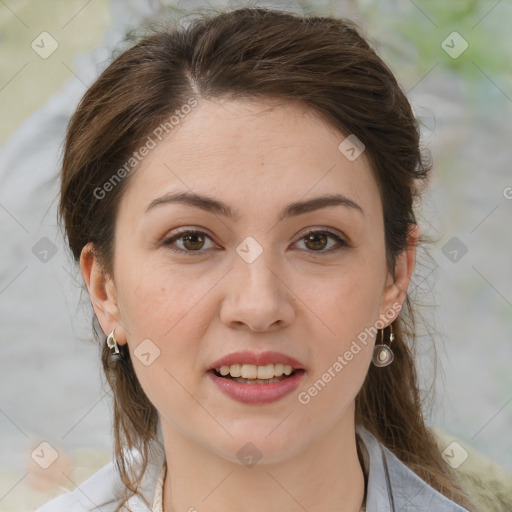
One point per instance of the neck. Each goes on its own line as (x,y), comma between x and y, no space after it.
(326,475)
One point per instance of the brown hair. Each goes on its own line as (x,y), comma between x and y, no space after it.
(254,53)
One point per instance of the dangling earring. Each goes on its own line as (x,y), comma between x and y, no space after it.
(112,342)
(382,354)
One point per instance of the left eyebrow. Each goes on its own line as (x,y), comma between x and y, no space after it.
(217,207)
(300,207)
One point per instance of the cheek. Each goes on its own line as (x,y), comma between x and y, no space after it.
(156,298)
(348,301)
(347,305)
(344,347)
(161,305)
(165,321)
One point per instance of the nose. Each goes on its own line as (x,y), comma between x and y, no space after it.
(258,297)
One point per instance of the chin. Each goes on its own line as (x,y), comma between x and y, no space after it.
(261,442)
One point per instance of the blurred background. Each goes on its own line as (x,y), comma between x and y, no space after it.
(453,58)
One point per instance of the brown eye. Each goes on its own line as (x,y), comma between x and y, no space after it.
(317,241)
(190,242)
(193,241)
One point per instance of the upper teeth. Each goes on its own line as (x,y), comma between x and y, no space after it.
(251,371)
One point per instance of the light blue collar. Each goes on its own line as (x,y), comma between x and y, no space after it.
(392,486)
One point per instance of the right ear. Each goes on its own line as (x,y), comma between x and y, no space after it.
(102,292)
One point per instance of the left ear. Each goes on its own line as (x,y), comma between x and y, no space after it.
(395,291)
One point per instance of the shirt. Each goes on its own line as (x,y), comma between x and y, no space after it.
(392,486)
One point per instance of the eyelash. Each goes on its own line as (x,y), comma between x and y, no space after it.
(342,243)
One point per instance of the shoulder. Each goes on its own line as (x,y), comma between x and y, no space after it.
(96,493)
(103,490)
(393,486)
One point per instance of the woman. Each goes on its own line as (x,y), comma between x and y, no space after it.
(239,195)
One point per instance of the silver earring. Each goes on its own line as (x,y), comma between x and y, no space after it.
(112,342)
(382,354)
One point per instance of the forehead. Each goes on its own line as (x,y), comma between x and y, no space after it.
(251,153)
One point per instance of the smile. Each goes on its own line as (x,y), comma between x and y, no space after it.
(252,374)
(255,390)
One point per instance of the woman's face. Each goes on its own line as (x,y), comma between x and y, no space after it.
(269,270)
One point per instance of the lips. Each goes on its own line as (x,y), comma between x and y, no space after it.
(257,359)
(256,392)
